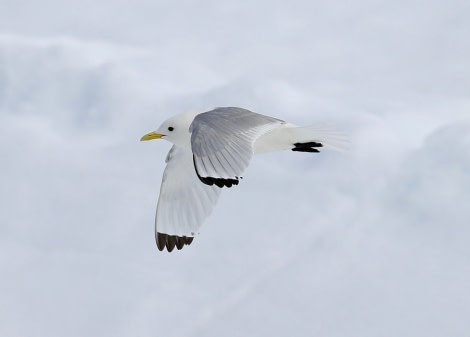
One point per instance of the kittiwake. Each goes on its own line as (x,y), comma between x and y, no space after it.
(211,150)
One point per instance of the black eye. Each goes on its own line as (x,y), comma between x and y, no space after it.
(170,128)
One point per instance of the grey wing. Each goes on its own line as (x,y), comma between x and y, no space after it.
(184,202)
(222,143)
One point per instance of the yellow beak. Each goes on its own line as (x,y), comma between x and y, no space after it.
(151,135)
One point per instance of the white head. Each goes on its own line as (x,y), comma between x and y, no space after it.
(174,130)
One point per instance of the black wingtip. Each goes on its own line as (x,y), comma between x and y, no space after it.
(171,241)
(220,182)
(307,147)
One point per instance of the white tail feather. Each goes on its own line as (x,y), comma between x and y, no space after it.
(330,139)
(285,136)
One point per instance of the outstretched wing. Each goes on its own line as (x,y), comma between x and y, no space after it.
(184,201)
(222,143)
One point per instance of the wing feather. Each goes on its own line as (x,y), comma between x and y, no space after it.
(184,202)
(222,143)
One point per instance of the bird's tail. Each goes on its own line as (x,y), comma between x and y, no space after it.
(302,139)
(322,137)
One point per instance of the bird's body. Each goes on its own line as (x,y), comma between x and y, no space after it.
(211,151)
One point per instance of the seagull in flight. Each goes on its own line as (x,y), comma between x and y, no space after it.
(210,152)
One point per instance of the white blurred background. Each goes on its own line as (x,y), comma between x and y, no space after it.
(372,242)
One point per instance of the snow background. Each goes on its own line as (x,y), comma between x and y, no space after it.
(372,242)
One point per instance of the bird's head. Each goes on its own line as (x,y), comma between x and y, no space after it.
(174,130)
